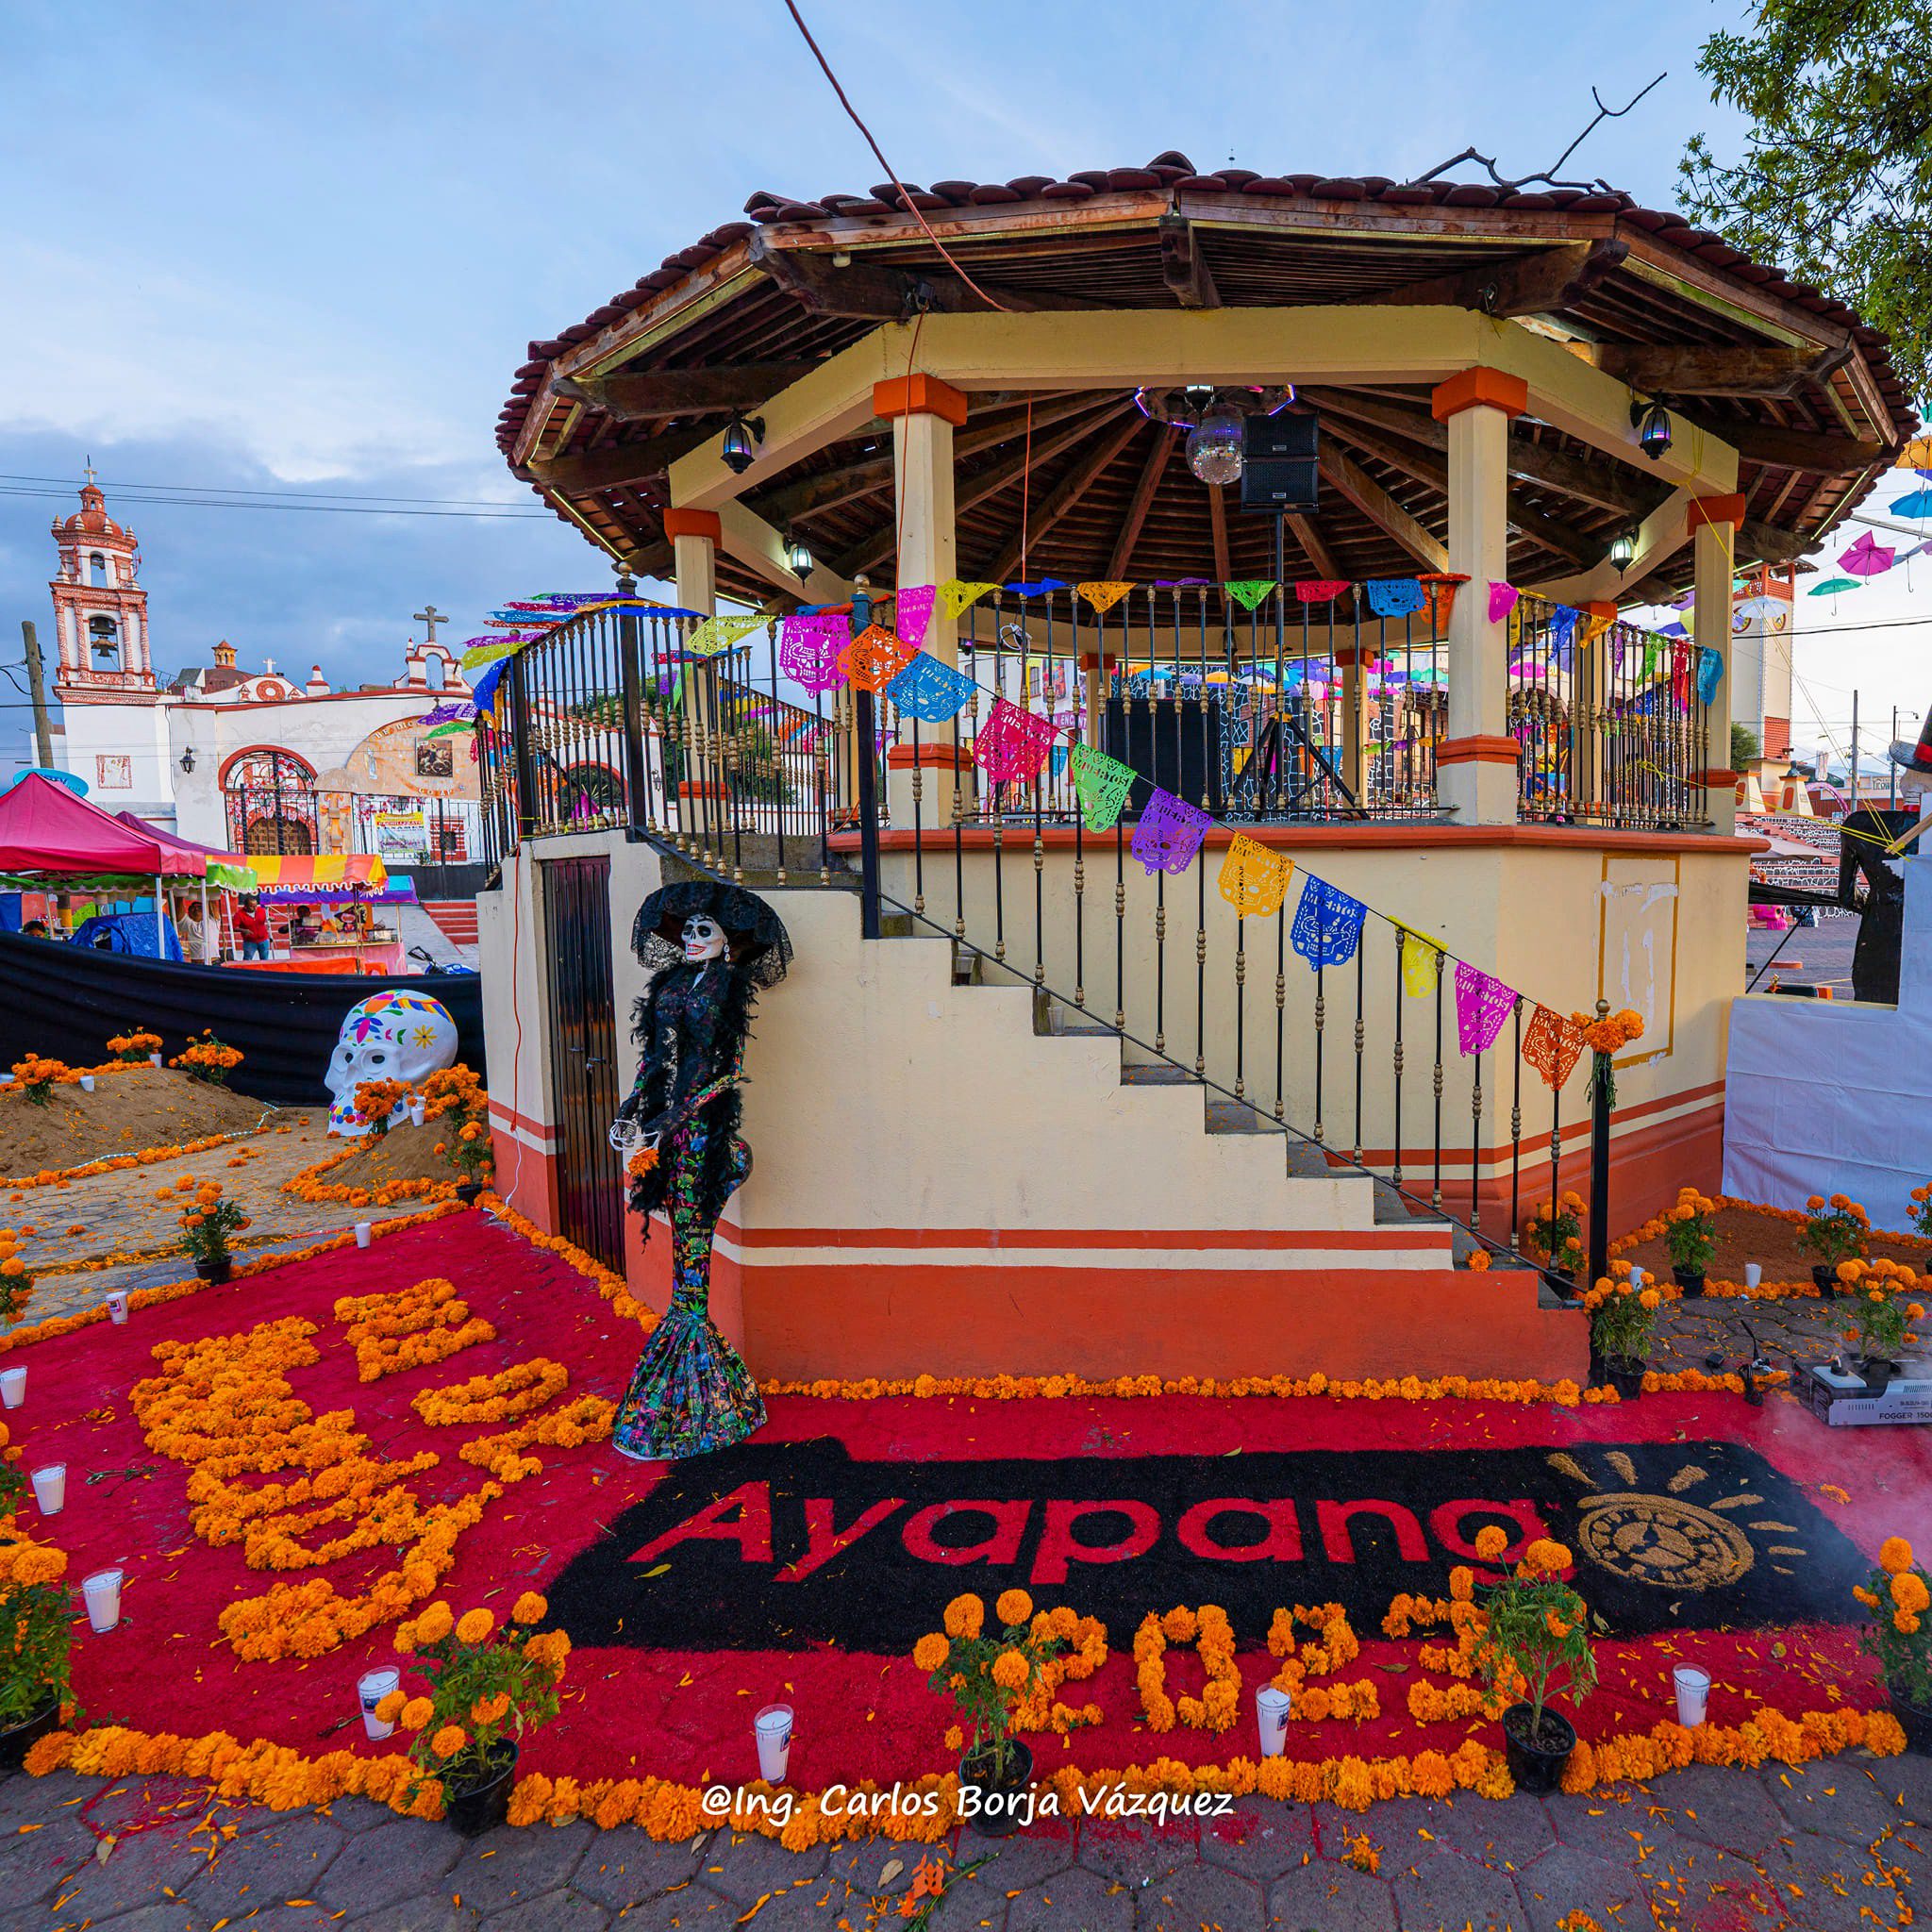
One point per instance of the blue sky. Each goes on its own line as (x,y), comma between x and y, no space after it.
(304,247)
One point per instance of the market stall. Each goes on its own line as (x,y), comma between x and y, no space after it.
(326,911)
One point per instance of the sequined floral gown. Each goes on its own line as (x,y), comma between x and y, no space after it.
(690,1391)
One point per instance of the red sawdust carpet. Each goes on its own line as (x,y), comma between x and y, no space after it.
(802,1565)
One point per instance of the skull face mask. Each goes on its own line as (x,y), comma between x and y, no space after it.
(704,941)
(389,1036)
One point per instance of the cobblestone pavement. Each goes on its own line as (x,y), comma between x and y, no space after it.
(117,1213)
(1834,1847)
(1690,1333)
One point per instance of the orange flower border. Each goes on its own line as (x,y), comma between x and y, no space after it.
(286,1780)
(113,1163)
(309,1186)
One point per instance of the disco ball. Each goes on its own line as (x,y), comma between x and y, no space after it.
(1214,446)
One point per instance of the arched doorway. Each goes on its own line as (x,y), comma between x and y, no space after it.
(268,795)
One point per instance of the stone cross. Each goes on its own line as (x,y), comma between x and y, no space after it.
(430,617)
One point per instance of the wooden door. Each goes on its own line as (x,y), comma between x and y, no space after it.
(584,1053)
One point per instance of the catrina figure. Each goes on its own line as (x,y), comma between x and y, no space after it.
(710,947)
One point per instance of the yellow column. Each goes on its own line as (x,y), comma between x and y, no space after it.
(1476,761)
(694,799)
(1713,545)
(924,412)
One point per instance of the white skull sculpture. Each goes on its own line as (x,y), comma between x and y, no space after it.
(389,1036)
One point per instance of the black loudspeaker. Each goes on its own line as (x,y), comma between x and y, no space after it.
(1174,741)
(1279,470)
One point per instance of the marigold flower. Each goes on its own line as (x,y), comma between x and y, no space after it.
(435,1623)
(1548,1556)
(1894,1554)
(1014,1606)
(390,1708)
(1490,1541)
(1908,1592)
(931,1651)
(1905,1622)
(449,1740)
(964,1616)
(1010,1670)
(955,1737)
(529,1608)
(475,1626)
(487,1710)
(1649,1298)
(415,1713)
(1867,1597)
(1556,1625)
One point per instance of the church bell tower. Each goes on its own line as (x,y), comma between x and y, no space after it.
(100,612)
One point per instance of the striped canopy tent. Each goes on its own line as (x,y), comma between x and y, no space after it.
(326,877)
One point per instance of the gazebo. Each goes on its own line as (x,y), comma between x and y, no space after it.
(1015,422)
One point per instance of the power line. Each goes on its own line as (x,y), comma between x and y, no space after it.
(293,495)
(334,508)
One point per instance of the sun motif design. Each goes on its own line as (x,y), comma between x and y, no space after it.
(1670,1539)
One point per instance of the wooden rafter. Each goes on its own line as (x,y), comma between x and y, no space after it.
(616,467)
(877,294)
(1541,282)
(1159,450)
(830,487)
(660,393)
(1380,507)
(1795,449)
(1183,266)
(1308,533)
(1678,369)
(1217,529)
(971,491)
(1066,493)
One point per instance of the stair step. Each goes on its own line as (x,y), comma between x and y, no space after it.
(1225,1116)
(1306,1161)
(1155,1073)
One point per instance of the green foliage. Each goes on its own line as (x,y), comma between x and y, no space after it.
(1622,1318)
(1538,1631)
(1905,1656)
(1745,748)
(206,1237)
(966,1675)
(1835,1232)
(1835,182)
(1690,1232)
(495,1691)
(34,1664)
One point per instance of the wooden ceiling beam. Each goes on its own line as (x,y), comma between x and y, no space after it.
(1682,370)
(1183,266)
(1308,533)
(616,467)
(1380,507)
(660,393)
(877,294)
(1541,282)
(1609,485)
(1217,527)
(968,491)
(1066,493)
(829,488)
(1151,470)
(1791,449)
(1759,542)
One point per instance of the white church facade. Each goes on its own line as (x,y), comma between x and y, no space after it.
(249,760)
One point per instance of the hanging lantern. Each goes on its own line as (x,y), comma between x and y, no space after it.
(798,559)
(1653,423)
(742,437)
(1623,548)
(1214,445)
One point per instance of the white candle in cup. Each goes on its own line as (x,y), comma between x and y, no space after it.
(1636,1279)
(418,1111)
(117,1306)
(103,1593)
(1693,1688)
(1754,1274)
(87,1083)
(12,1387)
(365,1231)
(772,1726)
(50,1487)
(154,1059)
(1270,1716)
(372,1686)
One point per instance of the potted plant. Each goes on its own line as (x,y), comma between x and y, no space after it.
(1835,1230)
(36,1610)
(1535,1644)
(1877,1305)
(1621,1322)
(1690,1234)
(488,1689)
(207,1060)
(134,1047)
(207,1223)
(989,1677)
(1898,1593)
(1555,1232)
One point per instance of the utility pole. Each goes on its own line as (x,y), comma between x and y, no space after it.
(1892,801)
(1853,806)
(37,692)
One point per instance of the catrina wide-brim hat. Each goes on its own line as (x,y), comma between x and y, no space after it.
(758,942)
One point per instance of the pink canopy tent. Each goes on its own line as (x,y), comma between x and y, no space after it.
(46,830)
(225,868)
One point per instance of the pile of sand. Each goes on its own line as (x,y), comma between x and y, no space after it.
(403,1154)
(1745,1234)
(127,1113)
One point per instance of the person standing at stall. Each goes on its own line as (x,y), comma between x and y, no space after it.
(251,927)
